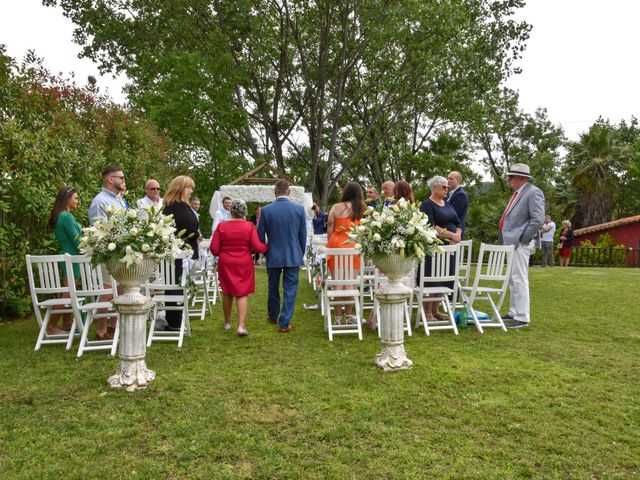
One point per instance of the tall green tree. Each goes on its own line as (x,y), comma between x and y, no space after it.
(595,167)
(331,85)
(505,134)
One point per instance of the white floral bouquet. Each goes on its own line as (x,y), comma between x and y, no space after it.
(398,229)
(129,236)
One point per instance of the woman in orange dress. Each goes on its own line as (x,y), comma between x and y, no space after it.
(342,217)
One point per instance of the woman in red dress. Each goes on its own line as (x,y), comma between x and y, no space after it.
(233,242)
(566,242)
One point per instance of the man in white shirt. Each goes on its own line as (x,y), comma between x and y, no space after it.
(547,231)
(221,215)
(152,197)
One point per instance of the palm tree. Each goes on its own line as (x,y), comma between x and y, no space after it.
(594,169)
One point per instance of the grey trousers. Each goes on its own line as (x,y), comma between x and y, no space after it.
(547,254)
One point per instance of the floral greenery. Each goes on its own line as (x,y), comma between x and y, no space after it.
(399,229)
(131,235)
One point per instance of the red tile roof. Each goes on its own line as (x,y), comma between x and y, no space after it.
(605,226)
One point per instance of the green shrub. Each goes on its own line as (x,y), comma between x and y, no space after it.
(53,134)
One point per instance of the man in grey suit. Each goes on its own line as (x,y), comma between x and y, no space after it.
(519,224)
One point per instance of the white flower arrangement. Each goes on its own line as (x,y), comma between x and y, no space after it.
(129,236)
(399,229)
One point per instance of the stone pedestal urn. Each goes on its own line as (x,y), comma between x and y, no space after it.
(392,357)
(133,307)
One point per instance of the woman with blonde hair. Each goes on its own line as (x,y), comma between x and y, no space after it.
(177,203)
(566,242)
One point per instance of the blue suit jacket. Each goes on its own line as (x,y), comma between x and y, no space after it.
(459,200)
(285,226)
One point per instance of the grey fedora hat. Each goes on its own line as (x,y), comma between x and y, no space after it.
(520,169)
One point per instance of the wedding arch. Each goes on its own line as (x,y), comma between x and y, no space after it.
(254,186)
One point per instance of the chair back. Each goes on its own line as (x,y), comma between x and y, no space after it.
(344,271)
(90,283)
(45,279)
(495,262)
(44,274)
(494,265)
(444,266)
(165,277)
(464,261)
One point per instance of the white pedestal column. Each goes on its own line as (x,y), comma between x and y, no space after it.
(392,357)
(132,372)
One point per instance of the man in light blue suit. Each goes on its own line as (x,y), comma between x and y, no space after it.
(284,225)
(518,226)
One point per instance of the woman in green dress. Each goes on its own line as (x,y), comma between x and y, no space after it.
(68,232)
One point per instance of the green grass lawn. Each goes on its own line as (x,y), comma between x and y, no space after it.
(557,400)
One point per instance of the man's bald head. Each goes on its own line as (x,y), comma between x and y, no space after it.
(454,179)
(387,188)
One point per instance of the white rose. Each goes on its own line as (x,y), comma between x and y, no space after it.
(132,213)
(111,247)
(377,237)
(135,231)
(146,247)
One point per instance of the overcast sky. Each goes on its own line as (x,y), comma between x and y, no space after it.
(580,62)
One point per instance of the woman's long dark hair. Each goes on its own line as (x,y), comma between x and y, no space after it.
(403,189)
(352,194)
(64,194)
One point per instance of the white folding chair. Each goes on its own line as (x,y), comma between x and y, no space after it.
(85,292)
(344,274)
(491,279)
(47,285)
(426,291)
(213,283)
(200,301)
(464,269)
(166,280)
(369,274)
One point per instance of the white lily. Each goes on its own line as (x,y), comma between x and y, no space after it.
(131,257)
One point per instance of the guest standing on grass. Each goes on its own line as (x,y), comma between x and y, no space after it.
(177,202)
(445,220)
(114,186)
(319,220)
(387,192)
(342,217)
(284,224)
(152,196)
(233,242)
(222,215)
(68,232)
(403,189)
(458,198)
(566,243)
(547,231)
(518,226)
